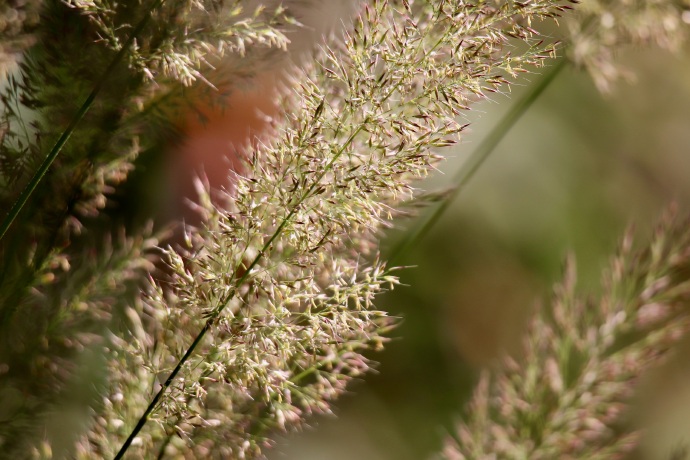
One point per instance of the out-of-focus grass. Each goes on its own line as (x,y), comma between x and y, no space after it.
(570,177)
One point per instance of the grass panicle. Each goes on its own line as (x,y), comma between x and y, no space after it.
(568,392)
(282,285)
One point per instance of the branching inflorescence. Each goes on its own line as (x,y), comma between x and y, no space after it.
(276,297)
(568,392)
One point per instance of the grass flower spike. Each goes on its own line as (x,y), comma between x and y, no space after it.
(568,393)
(269,317)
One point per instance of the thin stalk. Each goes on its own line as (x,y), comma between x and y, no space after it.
(67,133)
(476,159)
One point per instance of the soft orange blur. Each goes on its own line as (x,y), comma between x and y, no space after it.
(216,134)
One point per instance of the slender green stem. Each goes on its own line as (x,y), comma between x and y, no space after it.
(144,418)
(476,159)
(67,133)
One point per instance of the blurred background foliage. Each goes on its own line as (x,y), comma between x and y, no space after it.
(574,172)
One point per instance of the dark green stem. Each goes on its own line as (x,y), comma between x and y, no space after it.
(144,418)
(64,137)
(478,157)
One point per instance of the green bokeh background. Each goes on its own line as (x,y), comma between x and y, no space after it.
(569,178)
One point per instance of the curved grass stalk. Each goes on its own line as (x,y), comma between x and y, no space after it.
(475,161)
